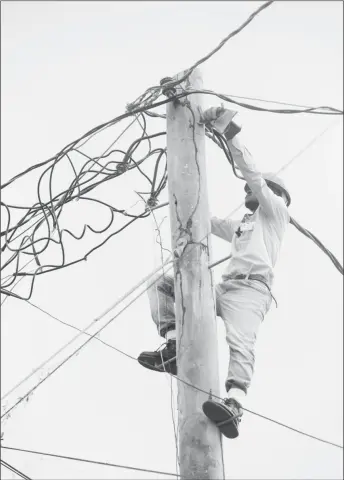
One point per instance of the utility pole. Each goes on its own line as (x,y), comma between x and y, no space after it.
(200,445)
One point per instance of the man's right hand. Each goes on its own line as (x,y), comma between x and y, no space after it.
(218,118)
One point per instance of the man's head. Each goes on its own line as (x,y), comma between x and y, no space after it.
(275,183)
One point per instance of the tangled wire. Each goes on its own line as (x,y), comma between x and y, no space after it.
(34,232)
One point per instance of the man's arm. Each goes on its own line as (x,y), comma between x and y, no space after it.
(222,119)
(270,203)
(224,228)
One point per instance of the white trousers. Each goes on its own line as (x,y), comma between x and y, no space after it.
(242,305)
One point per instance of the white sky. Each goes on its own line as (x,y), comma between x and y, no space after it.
(70,66)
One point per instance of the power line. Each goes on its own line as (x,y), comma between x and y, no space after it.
(71,355)
(203,391)
(116,303)
(267,418)
(151,94)
(50,211)
(277,102)
(14,470)
(94,462)
(301,229)
(323,110)
(308,234)
(201,61)
(62,197)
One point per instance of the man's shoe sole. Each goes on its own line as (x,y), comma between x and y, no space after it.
(149,361)
(222,417)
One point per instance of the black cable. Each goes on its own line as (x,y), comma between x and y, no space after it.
(137,110)
(151,94)
(93,186)
(55,209)
(51,210)
(312,237)
(223,144)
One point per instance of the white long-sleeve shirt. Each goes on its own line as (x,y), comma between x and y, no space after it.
(256,249)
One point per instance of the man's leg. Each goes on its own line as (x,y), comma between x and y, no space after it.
(242,305)
(161,300)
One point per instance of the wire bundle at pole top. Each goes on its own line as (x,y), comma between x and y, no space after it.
(46,214)
(41,222)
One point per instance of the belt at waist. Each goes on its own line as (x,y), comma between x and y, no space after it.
(253,276)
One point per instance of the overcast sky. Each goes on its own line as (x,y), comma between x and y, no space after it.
(70,66)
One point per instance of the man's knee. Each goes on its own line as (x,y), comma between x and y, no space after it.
(166,286)
(161,283)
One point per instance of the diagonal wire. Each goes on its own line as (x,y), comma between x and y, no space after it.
(152,93)
(94,462)
(145,279)
(232,34)
(72,354)
(14,470)
(215,396)
(305,232)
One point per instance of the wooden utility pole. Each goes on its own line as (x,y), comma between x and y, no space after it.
(200,445)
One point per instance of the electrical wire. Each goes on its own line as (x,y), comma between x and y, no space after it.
(52,211)
(68,197)
(207,393)
(115,304)
(321,110)
(277,102)
(301,229)
(222,144)
(26,395)
(309,234)
(151,94)
(14,470)
(62,200)
(84,191)
(94,462)
(21,399)
(84,331)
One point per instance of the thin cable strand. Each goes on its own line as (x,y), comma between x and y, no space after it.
(203,391)
(14,470)
(94,462)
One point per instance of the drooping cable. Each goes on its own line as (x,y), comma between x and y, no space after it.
(53,210)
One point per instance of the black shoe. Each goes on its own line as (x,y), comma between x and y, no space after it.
(162,360)
(226,415)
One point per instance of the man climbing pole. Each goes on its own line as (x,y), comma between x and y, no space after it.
(243,297)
